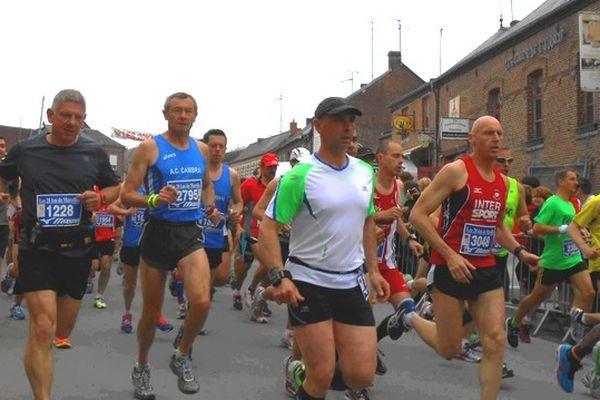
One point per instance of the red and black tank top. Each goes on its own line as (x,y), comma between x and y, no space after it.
(469,217)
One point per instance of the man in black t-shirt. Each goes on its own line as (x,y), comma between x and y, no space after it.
(57,171)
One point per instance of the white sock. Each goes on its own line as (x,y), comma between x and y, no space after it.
(179,354)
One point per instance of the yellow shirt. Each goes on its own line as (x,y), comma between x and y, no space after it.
(589,217)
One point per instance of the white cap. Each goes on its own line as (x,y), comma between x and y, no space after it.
(300,154)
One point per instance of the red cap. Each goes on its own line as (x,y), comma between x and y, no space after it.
(269,160)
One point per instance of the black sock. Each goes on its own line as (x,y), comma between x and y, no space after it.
(382,328)
(302,395)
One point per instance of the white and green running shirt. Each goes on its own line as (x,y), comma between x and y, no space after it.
(327,208)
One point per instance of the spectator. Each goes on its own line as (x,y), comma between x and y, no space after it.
(423,183)
(584,190)
(531,181)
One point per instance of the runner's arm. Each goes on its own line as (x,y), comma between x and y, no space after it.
(143,157)
(259,209)
(237,205)
(588,213)
(524,219)
(450,178)
(208,191)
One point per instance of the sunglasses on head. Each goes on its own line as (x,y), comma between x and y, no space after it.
(502,160)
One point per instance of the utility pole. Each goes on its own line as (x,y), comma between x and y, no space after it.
(280,98)
(371,50)
(41,114)
(351,80)
(441,30)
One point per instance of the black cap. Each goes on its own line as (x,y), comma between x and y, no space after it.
(335,106)
(365,152)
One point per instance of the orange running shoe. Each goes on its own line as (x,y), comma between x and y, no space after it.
(62,343)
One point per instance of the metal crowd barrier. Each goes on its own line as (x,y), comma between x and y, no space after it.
(519,282)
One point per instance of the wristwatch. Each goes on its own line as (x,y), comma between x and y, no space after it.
(275,276)
(517,251)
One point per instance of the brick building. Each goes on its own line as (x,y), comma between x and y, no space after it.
(246,160)
(373,99)
(527,75)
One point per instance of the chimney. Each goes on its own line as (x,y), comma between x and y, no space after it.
(394,59)
(294,128)
(514,22)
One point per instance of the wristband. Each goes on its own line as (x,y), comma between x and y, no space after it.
(152,200)
(563,228)
(517,251)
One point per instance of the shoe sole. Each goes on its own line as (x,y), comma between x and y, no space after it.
(141,397)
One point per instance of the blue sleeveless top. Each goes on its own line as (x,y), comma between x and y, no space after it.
(132,229)
(214,233)
(183,169)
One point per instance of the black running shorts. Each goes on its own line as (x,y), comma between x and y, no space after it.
(4,230)
(46,270)
(484,280)
(130,255)
(163,243)
(215,257)
(550,277)
(347,306)
(103,249)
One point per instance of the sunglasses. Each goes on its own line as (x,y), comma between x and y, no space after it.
(502,160)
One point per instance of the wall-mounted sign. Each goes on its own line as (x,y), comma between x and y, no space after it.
(542,46)
(454,107)
(454,128)
(403,122)
(589,51)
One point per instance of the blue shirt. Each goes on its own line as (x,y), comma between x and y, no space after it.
(183,169)
(132,229)
(214,233)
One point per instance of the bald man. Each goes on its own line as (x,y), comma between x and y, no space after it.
(472,194)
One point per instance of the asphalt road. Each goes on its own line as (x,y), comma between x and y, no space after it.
(239,359)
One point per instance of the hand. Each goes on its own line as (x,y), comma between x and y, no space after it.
(132,211)
(590,252)
(286,228)
(91,200)
(392,213)
(234,216)
(460,268)
(585,234)
(530,259)
(167,195)
(415,247)
(525,223)
(215,216)
(287,293)
(380,234)
(379,287)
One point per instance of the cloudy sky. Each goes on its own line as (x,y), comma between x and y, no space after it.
(236,57)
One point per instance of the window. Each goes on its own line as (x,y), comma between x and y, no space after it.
(425,112)
(586,108)
(534,107)
(493,103)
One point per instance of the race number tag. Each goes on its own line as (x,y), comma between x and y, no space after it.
(188,194)
(212,228)
(58,210)
(362,283)
(104,219)
(477,240)
(137,219)
(496,248)
(569,248)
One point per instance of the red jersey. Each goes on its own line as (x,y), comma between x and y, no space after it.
(469,217)
(105,225)
(386,250)
(252,190)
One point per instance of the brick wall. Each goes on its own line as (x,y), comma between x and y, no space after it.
(560,92)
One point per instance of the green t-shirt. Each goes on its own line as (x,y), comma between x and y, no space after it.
(560,252)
